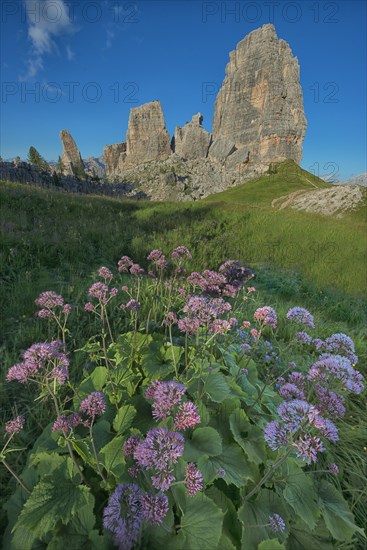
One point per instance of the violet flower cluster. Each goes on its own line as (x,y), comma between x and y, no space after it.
(305,423)
(127,508)
(266,316)
(203,311)
(228,281)
(14,426)
(302,316)
(161,448)
(41,360)
(50,302)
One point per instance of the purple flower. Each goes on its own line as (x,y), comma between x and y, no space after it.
(328,402)
(130,445)
(221,472)
(15,426)
(171,318)
(131,305)
(326,427)
(308,447)
(123,515)
(61,424)
(291,391)
(124,263)
(36,359)
(154,507)
(341,344)
(235,272)
(105,273)
(60,374)
(181,252)
(303,337)
(219,326)
(66,309)
(165,395)
(333,469)
(94,404)
(98,290)
(44,313)
(189,325)
(136,269)
(187,416)
(267,316)
(337,367)
(89,307)
(158,452)
(276,523)
(49,300)
(193,480)
(302,316)
(294,413)
(275,435)
(17,372)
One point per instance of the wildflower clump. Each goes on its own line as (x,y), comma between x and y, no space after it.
(190,415)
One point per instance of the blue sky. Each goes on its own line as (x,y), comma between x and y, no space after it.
(81,65)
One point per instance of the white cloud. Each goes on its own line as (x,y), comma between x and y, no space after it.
(110,37)
(47,20)
(69,52)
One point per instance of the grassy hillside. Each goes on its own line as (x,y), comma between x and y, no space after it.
(55,241)
(283,178)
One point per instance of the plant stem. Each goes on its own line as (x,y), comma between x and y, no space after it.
(95,453)
(16,477)
(72,456)
(268,474)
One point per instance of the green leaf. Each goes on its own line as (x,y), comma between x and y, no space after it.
(111,456)
(225,543)
(94,382)
(101,433)
(254,516)
(300,493)
(83,451)
(202,524)
(300,536)
(216,387)
(271,544)
(232,461)
(338,518)
(205,441)
(52,500)
(248,436)
(124,418)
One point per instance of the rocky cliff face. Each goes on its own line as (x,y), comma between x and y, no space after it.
(259,109)
(71,158)
(258,119)
(147,138)
(191,141)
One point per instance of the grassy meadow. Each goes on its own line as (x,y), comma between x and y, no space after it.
(56,241)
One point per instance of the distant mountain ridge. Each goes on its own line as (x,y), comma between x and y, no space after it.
(357,180)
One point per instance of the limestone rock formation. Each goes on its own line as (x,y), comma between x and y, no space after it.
(258,119)
(71,158)
(192,141)
(113,155)
(259,108)
(147,138)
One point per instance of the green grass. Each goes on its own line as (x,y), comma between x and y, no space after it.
(281,179)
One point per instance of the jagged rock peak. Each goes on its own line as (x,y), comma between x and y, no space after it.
(71,158)
(259,107)
(191,141)
(147,137)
